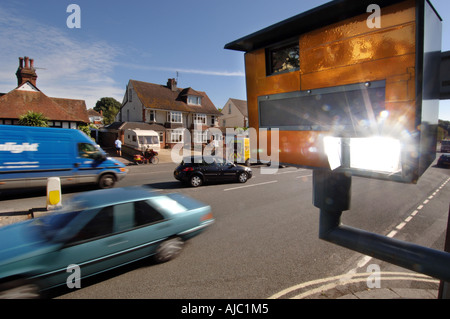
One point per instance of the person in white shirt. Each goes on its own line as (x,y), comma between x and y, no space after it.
(118,144)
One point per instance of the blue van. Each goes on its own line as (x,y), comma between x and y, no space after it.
(29,155)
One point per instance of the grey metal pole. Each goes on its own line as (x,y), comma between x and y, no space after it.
(332,196)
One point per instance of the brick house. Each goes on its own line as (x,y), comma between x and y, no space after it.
(61,112)
(174,110)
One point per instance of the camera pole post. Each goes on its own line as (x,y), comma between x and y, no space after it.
(332,195)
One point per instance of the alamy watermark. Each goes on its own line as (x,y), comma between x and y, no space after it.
(374,279)
(74,279)
(374,20)
(74,19)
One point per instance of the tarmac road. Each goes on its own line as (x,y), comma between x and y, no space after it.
(264,243)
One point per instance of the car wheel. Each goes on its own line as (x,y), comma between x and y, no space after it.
(19,289)
(196,181)
(243,177)
(168,250)
(107,181)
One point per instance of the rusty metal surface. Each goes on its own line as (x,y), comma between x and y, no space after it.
(339,54)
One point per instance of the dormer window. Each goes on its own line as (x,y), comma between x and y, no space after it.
(194,100)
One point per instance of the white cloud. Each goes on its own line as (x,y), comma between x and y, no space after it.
(66,67)
(184,70)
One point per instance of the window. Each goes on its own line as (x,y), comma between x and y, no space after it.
(148,140)
(164,203)
(150,115)
(86,150)
(100,225)
(175,117)
(130,94)
(145,214)
(200,119)
(176,136)
(200,136)
(213,120)
(229,108)
(283,59)
(194,100)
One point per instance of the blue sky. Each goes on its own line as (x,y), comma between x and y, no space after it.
(143,40)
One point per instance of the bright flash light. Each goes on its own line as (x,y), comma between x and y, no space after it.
(333,150)
(377,154)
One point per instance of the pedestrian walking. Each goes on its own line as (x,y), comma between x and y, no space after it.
(118,144)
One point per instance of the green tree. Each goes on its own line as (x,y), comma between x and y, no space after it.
(85,129)
(109,107)
(33,119)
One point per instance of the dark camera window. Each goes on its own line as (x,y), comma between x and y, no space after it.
(346,108)
(283,59)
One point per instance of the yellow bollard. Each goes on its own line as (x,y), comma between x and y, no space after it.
(54,193)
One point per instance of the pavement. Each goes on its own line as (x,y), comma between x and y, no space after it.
(396,284)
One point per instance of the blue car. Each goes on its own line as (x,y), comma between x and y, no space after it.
(95,232)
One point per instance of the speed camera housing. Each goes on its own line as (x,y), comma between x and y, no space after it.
(346,93)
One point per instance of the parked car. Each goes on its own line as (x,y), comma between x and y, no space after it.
(197,170)
(444,160)
(97,231)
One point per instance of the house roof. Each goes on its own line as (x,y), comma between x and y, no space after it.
(19,102)
(161,97)
(92,112)
(77,108)
(134,125)
(241,105)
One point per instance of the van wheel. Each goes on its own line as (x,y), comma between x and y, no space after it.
(107,181)
(168,250)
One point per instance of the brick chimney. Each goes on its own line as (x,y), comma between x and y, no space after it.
(172,84)
(26,72)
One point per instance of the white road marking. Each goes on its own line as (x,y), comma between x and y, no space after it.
(246,186)
(332,282)
(348,277)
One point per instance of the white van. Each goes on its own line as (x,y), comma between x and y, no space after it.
(142,139)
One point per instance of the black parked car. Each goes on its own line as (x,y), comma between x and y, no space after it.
(196,170)
(444,160)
